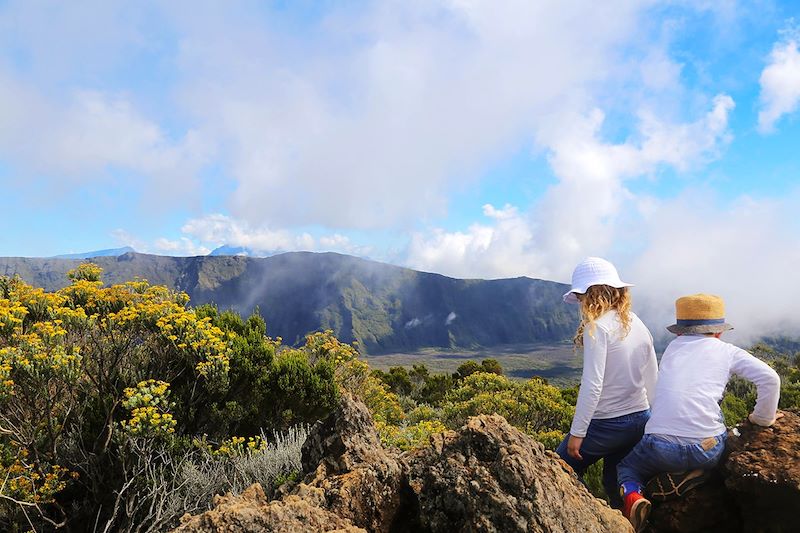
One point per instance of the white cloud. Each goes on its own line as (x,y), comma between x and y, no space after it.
(780,82)
(91,134)
(500,249)
(221,230)
(125,238)
(385,111)
(201,235)
(587,211)
(182,246)
(746,252)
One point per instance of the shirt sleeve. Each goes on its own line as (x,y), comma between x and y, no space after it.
(594,367)
(767,382)
(651,374)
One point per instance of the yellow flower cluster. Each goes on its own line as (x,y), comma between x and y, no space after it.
(325,344)
(12,314)
(43,356)
(38,302)
(72,318)
(86,272)
(408,437)
(239,446)
(148,403)
(6,383)
(188,332)
(23,482)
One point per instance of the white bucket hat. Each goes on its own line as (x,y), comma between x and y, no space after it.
(593,271)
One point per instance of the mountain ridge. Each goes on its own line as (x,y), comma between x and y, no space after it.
(384,307)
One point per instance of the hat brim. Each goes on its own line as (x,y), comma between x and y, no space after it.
(571,297)
(702,328)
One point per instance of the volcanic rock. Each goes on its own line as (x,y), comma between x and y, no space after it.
(250,511)
(486,477)
(762,473)
(489,476)
(359,478)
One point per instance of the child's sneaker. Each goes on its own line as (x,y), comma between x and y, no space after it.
(636,509)
(667,486)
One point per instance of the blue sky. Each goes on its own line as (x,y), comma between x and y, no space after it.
(471,138)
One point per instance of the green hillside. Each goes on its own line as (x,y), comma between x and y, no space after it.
(383,307)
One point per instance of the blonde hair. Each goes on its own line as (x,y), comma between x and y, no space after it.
(597,300)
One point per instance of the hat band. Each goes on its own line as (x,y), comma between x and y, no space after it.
(700,322)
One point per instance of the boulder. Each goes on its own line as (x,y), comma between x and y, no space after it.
(707,509)
(359,478)
(762,472)
(250,511)
(489,476)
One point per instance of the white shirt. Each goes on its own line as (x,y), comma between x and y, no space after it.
(691,381)
(619,374)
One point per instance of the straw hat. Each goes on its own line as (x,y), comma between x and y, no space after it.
(593,271)
(699,313)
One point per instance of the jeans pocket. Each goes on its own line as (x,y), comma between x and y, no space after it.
(707,458)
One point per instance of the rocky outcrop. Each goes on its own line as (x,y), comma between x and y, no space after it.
(491,477)
(488,476)
(755,489)
(706,509)
(250,511)
(762,473)
(359,479)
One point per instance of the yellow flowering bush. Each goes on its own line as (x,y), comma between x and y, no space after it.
(148,403)
(533,406)
(24,480)
(408,437)
(188,332)
(12,314)
(6,383)
(354,376)
(114,381)
(239,446)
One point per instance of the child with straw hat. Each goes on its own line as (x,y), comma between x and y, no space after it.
(686,432)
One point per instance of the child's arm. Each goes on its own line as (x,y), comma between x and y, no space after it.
(594,368)
(651,374)
(767,383)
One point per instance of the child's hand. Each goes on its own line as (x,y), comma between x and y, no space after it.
(574,447)
(761,423)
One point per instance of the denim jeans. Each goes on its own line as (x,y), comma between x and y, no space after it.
(654,455)
(609,439)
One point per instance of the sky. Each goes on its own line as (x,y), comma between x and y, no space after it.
(471,138)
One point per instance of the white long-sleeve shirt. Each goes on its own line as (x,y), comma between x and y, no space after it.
(691,381)
(619,374)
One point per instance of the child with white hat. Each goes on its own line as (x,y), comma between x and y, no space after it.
(619,373)
(686,432)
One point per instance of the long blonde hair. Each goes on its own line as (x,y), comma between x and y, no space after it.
(596,302)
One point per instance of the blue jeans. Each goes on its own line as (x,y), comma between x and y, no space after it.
(609,439)
(654,455)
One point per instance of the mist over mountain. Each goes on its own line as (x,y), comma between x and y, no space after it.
(383,307)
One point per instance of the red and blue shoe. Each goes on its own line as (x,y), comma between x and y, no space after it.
(636,508)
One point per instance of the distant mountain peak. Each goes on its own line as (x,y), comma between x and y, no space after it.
(110,252)
(245,251)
